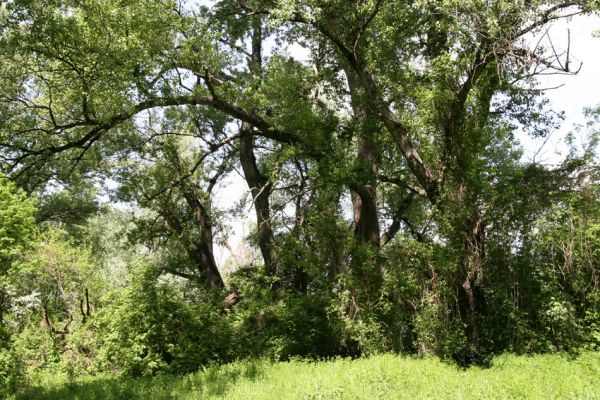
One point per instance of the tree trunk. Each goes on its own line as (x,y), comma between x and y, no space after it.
(205,260)
(364,196)
(260,188)
(259,185)
(199,248)
(202,250)
(471,300)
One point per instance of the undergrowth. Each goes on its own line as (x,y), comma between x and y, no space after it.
(384,376)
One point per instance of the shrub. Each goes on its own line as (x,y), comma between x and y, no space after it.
(148,327)
(12,372)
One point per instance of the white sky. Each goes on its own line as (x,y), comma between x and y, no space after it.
(578,91)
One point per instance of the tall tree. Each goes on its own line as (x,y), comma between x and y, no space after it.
(405,110)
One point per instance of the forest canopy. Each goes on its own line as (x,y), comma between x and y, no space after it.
(378,144)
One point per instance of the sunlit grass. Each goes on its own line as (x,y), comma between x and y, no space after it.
(378,377)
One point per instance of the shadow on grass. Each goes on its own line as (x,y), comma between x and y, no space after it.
(212,381)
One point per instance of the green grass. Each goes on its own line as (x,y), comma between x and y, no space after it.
(378,377)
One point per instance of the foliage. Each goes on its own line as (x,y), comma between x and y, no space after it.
(393,209)
(282,324)
(12,371)
(17,232)
(149,327)
(16,223)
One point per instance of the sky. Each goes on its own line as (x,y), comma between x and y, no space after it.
(577,91)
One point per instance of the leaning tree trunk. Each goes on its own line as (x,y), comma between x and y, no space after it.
(202,249)
(200,246)
(260,186)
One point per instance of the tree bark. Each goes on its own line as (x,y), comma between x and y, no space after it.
(200,249)
(260,188)
(471,300)
(364,188)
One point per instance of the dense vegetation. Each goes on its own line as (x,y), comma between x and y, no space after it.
(393,210)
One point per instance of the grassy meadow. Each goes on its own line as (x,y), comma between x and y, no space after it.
(378,377)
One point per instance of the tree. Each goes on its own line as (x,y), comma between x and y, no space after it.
(405,111)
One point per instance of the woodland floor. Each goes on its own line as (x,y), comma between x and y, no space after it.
(378,377)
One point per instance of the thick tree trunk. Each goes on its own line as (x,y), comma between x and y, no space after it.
(471,300)
(207,265)
(366,222)
(202,250)
(260,188)
(199,248)
(259,185)
(472,271)
(364,188)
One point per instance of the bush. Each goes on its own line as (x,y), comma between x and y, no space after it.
(284,323)
(149,328)
(12,372)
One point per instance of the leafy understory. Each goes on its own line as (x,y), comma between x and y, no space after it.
(378,377)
